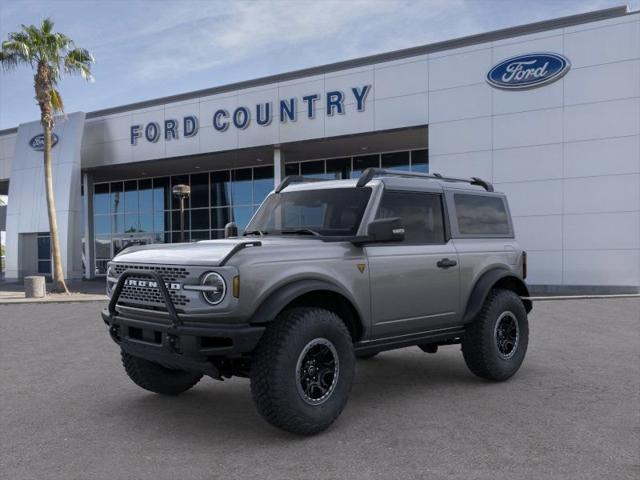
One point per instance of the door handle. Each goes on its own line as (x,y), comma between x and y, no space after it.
(446,263)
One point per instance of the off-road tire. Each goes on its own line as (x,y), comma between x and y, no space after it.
(156,378)
(480,345)
(275,378)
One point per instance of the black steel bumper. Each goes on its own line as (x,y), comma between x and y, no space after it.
(170,341)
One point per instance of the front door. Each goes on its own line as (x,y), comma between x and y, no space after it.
(414,283)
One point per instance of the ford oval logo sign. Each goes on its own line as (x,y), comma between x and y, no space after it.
(37,142)
(528,71)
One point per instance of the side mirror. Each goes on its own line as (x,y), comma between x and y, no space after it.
(230,230)
(386,230)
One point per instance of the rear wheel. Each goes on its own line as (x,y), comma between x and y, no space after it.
(302,370)
(156,378)
(495,343)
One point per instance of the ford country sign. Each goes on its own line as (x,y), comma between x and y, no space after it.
(37,142)
(528,71)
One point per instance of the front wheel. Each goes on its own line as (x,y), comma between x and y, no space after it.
(495,343)
(302,370)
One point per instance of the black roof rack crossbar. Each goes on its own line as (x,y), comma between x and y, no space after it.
(296,179)
(372,172)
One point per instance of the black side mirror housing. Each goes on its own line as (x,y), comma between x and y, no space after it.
(384,230)
(230,230)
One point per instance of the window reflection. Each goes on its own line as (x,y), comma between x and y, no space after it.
(241,187)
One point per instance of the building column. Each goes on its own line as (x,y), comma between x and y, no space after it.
(278,166)
(87,221)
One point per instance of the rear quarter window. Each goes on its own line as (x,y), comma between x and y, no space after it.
(481,215)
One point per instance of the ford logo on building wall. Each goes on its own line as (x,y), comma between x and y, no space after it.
(528,71)
(37,142)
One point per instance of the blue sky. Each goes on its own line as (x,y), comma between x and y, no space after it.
(149,49)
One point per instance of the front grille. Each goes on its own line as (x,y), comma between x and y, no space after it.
(149,296)
(170,274)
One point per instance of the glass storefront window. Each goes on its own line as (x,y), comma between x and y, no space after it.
(339,168)
(161,221)
(131,223)
(103,247)
(200,219)
(144,210)
(220,189)
(262,183)
(161,194)
(360,164)
(175,220)
(101,198)
(131,203)
(220,217)
(102,224)
(420,161)
(145,195)
(44,246)
(241,193)
(396,161)
(200,190)
(146,222)
(117,192)
(291,169)
(313,169)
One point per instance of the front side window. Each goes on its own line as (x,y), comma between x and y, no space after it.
(420,214)
(326,212)
(481,215)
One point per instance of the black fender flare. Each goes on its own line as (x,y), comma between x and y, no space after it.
(488,280)
(282,296)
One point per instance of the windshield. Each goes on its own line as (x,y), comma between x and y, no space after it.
(327,212)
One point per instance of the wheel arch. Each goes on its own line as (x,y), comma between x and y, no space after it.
(494,278)
(312,293)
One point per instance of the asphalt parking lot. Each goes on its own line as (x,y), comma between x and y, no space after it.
(68,411)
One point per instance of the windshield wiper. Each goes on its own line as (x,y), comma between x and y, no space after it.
(254,232)
(301,231)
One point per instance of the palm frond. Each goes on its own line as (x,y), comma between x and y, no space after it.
(47,26)
(9,61)
(79,61)
(56,101)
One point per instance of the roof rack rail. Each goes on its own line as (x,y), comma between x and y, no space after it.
(296,179)
(372,172)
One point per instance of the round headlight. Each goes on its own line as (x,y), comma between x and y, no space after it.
(216,288)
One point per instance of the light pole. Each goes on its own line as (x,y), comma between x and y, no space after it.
(182,192)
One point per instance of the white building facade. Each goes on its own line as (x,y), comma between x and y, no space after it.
(548,112)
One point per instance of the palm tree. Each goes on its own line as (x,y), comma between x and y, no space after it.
(50,55)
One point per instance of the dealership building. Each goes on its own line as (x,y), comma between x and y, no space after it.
(548,112)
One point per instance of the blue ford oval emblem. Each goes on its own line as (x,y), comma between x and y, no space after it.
(37,142)
(528,71)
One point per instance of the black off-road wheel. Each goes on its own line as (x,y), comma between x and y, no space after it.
(495,343)
(302,370)
(156,378)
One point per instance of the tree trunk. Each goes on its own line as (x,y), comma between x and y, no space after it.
(59,284)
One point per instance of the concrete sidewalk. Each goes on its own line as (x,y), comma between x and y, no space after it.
(81,291)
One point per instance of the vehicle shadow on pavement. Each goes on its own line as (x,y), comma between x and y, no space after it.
(224,410)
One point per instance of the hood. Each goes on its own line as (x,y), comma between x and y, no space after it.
(207,252)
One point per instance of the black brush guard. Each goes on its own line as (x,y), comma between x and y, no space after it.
(176,345)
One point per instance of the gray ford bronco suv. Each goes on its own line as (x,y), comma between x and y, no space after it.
(326,272)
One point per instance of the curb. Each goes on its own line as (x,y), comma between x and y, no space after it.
(71,299)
